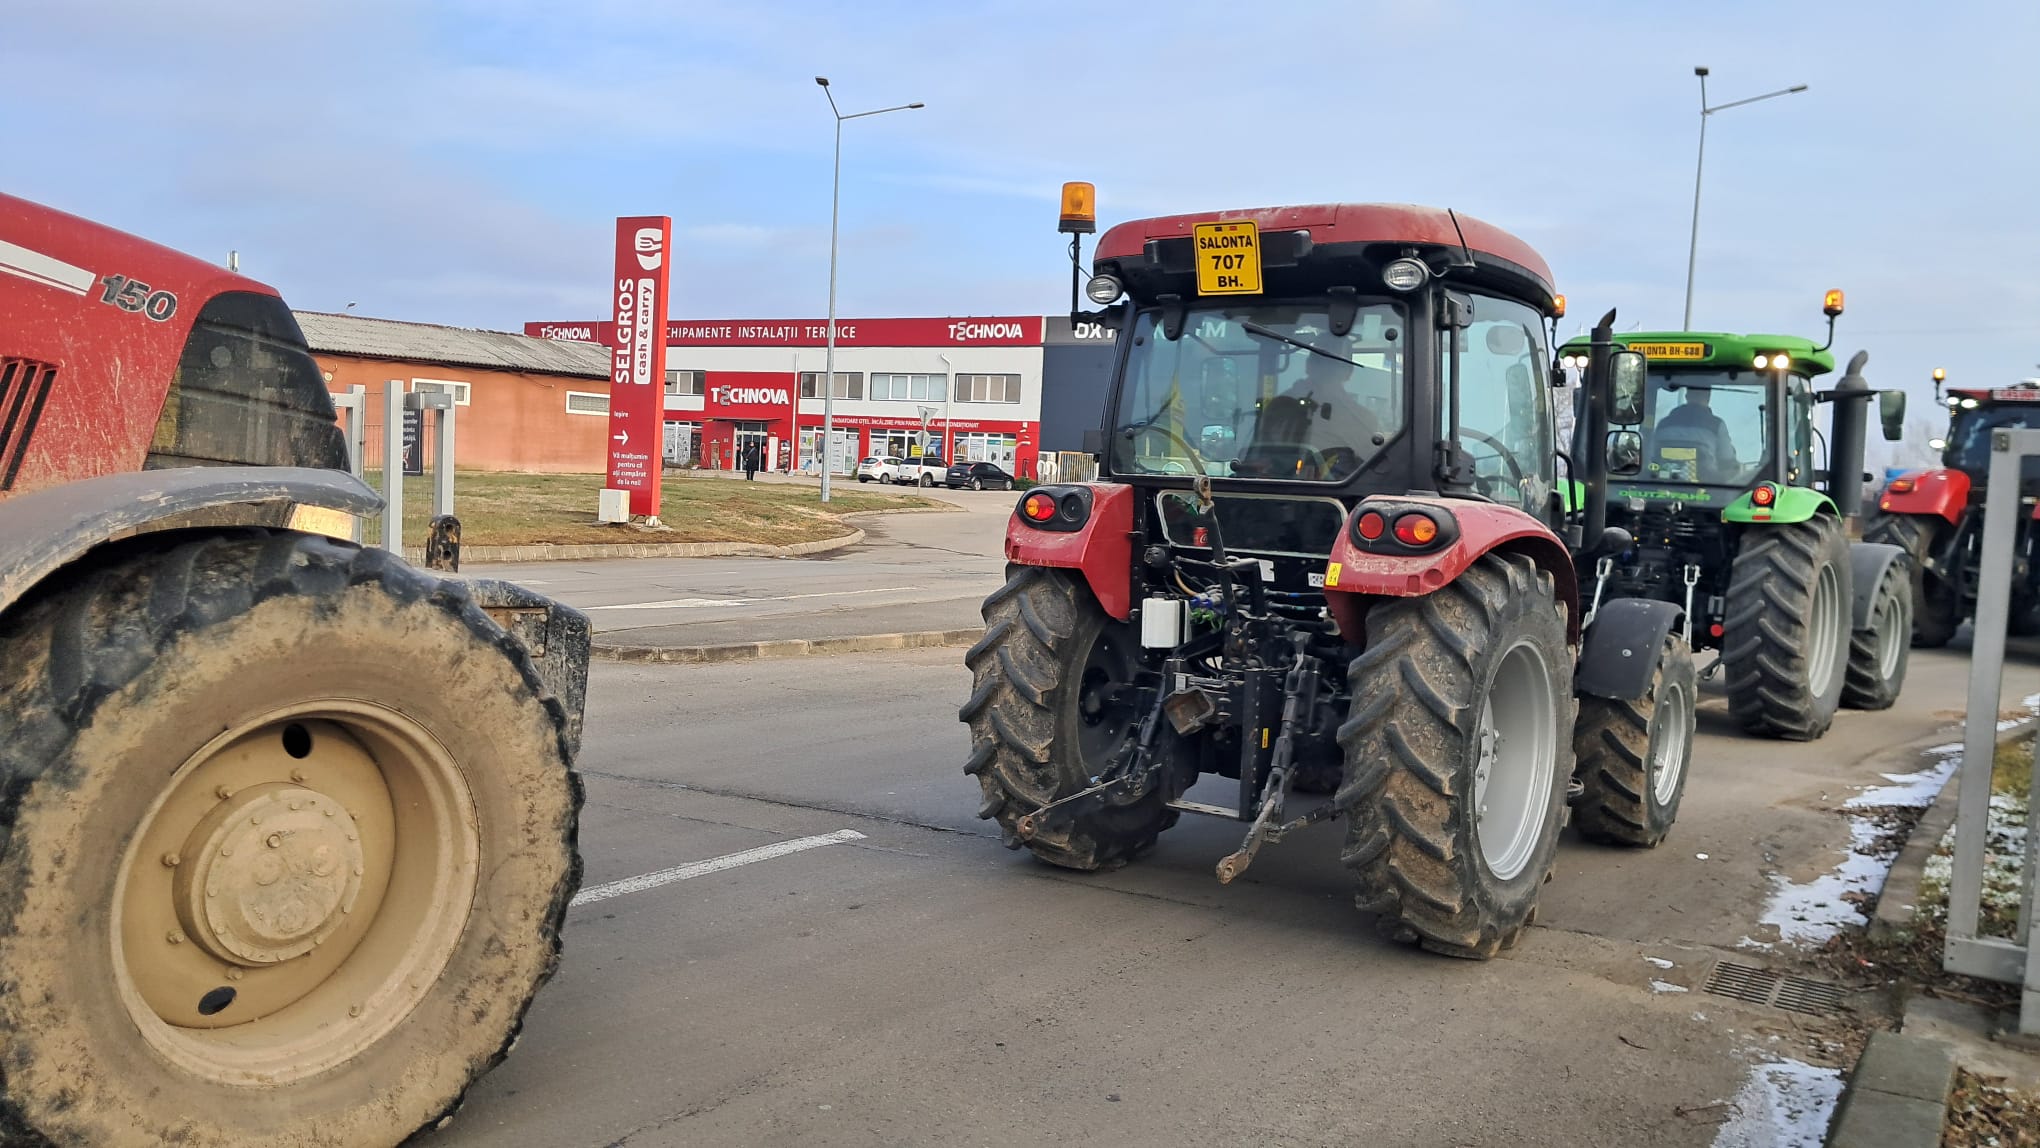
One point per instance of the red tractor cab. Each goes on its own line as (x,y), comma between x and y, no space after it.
(1936,514)
(1328,551)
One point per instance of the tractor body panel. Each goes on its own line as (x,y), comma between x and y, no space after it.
(1620,652)
(1941,492)
(1360,569)
(1095,541)
(1792,504)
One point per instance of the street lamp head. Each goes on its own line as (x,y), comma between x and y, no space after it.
(1796,88)
(1699,71)
(917,105)
(822,80)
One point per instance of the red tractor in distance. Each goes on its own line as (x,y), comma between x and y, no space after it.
(1936,515)
(1328,551)
(287,826)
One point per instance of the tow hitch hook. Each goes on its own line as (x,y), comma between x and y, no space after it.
(1299,697)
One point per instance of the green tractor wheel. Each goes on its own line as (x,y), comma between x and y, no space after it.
(1787,632)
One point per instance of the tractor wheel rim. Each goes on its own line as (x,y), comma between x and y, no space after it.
(1894,631)
(1824,629)
(262,929)
(1669,724)
(1517,755)
(1103,723)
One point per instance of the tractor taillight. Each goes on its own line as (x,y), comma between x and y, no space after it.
(1764,495)
(1371,525)
(1901,486)
(1038,507)
(1416,529)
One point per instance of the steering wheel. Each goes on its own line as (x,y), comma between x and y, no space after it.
(1254,463)
(1502,455)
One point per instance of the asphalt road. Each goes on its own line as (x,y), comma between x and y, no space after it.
(919,984)
(925,571)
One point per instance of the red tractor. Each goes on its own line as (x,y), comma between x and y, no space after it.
(1936,515)
(1330,551)
(286,825)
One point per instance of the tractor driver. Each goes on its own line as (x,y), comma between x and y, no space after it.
(1693,422)
(1316,427)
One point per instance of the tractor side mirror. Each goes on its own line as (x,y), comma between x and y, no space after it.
(1625,452)
(1625,373)
(1094,440)
(1891,411)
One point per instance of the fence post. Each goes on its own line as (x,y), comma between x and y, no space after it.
(2016,961)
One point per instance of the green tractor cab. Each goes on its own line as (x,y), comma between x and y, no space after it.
(1736,504)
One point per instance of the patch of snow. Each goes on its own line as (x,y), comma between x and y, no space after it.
(1668,987)
(1660,962)
(1700,856)
(1700,1016)
(1782,1104)
(1910,789)
(1753,944)
(1811,913)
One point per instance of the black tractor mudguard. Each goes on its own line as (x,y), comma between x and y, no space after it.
(1620,651)
(556,636)
(1867,563)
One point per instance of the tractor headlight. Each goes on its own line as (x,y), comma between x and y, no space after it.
(1103,289)
(1405,274)
(1938,443)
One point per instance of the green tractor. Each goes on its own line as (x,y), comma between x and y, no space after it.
(1737,507)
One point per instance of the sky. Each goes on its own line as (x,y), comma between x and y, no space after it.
(463,161)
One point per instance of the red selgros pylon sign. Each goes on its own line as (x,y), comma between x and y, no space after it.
(637,376)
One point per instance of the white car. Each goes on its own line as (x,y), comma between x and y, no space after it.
(927,470)
(879,468)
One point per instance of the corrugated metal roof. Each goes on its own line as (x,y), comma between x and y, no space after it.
(452,346)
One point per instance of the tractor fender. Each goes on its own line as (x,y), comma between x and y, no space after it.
(1620,654)
(1360,570)
(1868,562)
(1097,545)
(1795,504)
(1939,491)
(50,528)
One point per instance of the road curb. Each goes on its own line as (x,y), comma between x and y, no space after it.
(558,551)
(1899,899)
(1896,1096)
(786,647)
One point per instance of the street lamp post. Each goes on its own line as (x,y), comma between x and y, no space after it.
(828,386)
(1693,246)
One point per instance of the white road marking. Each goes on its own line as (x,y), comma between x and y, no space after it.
(675,604)
(695,869)
(695,603)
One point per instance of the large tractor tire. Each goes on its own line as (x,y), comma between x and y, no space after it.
(1631,755)
(1936,605)
(1878,656)
(1785,648)
(1458,752)
(1043,720)
(286,840)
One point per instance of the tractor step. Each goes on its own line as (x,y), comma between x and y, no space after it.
(1207,809)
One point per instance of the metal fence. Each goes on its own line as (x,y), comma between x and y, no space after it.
(2014,960)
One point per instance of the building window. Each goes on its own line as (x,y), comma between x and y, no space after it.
(587,403)
(686,382)
(987,388)
(849,384)
(927,388)
(459,391)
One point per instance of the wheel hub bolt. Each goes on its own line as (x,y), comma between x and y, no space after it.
(298,775)
(171,859)
(174,937)
(222,792)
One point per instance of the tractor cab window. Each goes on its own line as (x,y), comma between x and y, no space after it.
(1705,427)
(1262,391)
(1969,439)
(1504,402)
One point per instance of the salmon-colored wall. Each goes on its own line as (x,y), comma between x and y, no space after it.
(513,421)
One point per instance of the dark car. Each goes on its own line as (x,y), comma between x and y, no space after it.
(978,476)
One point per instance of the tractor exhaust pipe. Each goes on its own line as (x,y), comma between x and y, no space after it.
(1595,465)
(1851,397)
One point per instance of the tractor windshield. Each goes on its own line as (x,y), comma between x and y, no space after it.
(1969,437)
(1261,391)
(1702,427)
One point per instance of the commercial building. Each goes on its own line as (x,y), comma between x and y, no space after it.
(975,389)
(523,403)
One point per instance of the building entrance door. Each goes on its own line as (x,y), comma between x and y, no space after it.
(751,434)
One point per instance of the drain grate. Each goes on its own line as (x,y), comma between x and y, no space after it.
(1777,990)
